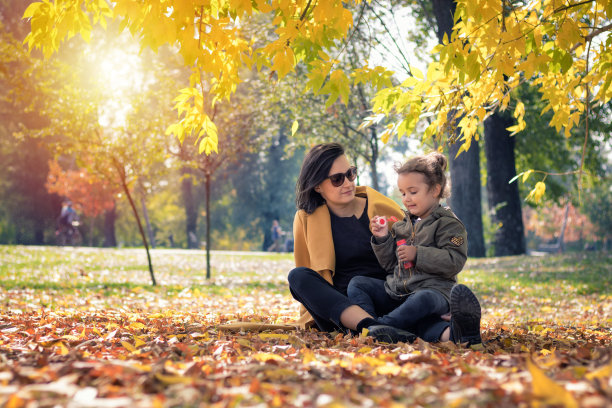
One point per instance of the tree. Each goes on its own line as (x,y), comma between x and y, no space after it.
(92,195)
(562,50)
(92,113)
(503,196)
(564,224)
(213,45)
(597,207)
(543,147)
(493,48)
(351,123)
(464,169)
(27,210)
(235,138)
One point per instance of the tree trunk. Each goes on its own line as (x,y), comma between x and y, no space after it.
(110,240)
(208,226)
(39,231)
(191,210)
(92,221)
(145,215)
(464,170)
(374,160)
(142,233)
(374,175)
(465,198)
(504,199)
(126,190)
(563,226)
(444,10)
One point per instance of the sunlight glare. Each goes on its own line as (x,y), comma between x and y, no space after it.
(119,75)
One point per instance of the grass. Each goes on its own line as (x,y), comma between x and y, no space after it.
(556,275)
(65,268)
(525,285)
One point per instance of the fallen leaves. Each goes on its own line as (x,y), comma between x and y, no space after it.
(142,346)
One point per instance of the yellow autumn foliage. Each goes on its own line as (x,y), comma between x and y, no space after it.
(209,37)
(564,49)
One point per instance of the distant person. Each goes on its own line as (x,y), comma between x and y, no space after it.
(288,245)
(67,215)
(67,232)
(276,235)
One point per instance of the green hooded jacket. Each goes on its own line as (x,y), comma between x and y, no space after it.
(441,242)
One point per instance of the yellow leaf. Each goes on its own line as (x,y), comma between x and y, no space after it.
(173,379)
(145,368)
(207,146)
(417,73)
(519,110)
(364,349)
(266,336)
(294,127)
(137,326)
(138,342)
(537,193)
(388,370)
(308,356)
(31,10)
(265,357)
(62,347)
(371,361)
(601,373)
(70,337)
(385,136)
(278,374)
(526,175)
(284,61)
(15,402)
(245,343)
(128,346)
(547,390)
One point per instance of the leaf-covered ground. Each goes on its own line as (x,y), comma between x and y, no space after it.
(83,328)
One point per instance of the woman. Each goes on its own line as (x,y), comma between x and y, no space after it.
(332,245)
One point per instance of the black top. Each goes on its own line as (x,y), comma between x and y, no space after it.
(354,254)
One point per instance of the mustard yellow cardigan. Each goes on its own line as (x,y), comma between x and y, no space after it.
(314,246)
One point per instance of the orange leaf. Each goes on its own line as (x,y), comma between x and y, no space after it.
(14,402)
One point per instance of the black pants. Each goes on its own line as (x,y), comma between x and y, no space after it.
(326,303)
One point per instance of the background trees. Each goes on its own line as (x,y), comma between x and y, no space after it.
(313,46)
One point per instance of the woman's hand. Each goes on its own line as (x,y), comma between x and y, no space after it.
(378,230)
(406,253)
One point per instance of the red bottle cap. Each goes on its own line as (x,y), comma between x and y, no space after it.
(382,221)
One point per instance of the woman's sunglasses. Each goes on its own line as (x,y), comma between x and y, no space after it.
(338,179)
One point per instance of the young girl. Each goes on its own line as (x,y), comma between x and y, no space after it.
(422,254)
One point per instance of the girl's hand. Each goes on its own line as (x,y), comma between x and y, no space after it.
(378,230)
(406,253)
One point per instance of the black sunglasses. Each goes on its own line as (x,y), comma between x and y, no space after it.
(338,179)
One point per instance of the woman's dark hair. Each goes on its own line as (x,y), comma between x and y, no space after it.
(314,171)
(432,166)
